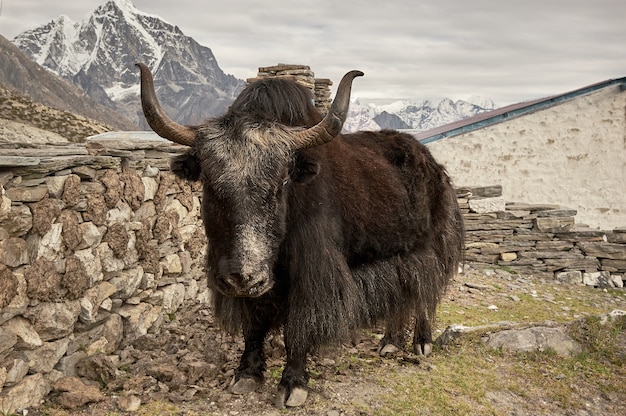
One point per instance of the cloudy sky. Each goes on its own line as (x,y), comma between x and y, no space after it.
(509,51)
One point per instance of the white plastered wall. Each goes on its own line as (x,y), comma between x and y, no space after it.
(572,154)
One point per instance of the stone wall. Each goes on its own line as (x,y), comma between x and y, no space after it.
(539,239)
(99,243)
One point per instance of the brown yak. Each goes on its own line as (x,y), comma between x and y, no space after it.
(313,231)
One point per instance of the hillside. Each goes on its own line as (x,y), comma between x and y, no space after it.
(21,74)
(18,108)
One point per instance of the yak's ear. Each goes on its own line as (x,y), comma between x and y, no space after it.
(186,166)
(304,168)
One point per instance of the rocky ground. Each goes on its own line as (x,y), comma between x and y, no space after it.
(186,369)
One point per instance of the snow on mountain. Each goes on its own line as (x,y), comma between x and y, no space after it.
(481,101)
(359,118)
(99,53)
(66,47)
(415,115)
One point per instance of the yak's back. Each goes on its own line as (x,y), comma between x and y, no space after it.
(390,190)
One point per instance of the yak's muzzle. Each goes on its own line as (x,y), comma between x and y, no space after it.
(249,286)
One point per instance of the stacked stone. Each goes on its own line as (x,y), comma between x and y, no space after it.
(322,94)
(98,244)
(540,240)
(303,75)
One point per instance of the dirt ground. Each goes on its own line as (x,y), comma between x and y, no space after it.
(186,370)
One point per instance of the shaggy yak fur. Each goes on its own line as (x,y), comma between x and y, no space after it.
(318,240)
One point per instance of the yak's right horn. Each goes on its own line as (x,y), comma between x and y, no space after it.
(156,117)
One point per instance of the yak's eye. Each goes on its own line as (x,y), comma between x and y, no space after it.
(285,181)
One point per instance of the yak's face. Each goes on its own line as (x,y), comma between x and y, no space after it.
(245,177)
(244,160)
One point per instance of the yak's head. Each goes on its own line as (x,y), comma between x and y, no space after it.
(247,161)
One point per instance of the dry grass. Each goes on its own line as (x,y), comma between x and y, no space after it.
(75,128)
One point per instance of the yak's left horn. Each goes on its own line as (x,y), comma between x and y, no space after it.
(331,125)
(156,117)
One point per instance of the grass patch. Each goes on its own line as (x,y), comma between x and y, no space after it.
(158,408)
(599,370)
(456,385)
(468,378)
(275,372)
(558,303)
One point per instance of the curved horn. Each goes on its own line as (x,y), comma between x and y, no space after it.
(331,125)
(156,117)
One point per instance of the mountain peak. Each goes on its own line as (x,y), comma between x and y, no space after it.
(124,4)
(99,54)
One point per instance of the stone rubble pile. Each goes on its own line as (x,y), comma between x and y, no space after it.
(539,240)
(99,244)
(304,76)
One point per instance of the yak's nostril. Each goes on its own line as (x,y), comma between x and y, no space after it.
(236,280)
(246,285)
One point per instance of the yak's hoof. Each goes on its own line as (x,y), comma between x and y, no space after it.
(423,349)
(244,385)
(388,349)
(297,397)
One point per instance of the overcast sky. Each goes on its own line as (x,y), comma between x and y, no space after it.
(509,51)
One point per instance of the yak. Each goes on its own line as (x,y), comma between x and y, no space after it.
(312,231)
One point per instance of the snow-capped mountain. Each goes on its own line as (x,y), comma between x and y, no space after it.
(99,54)
(359,118)
(413,115)
(20,74)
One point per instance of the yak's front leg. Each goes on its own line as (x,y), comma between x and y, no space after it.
(423,334)
(394,338)
(249,374)
(292,389)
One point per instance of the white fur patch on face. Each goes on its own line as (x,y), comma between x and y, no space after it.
(243,167)
(251,154)
(254,248)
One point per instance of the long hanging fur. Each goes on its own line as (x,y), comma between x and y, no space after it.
(323,291)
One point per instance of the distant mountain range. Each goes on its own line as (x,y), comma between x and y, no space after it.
(413,114)
(98,55)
